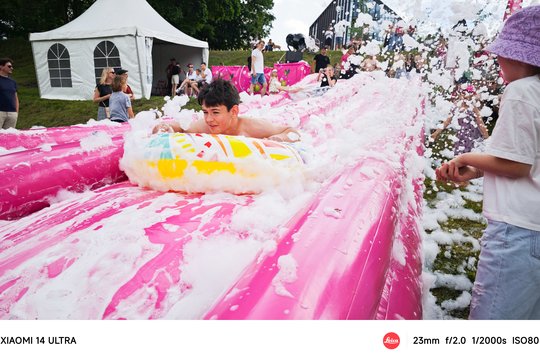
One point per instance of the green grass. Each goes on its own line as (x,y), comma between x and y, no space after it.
(42,112)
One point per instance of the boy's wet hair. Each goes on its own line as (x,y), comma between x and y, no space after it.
(219,92)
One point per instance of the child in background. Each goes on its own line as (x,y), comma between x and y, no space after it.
(507,284)
(274,85)
(327,76)
(119,103)
(471,127)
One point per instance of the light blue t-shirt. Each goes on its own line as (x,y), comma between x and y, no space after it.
(118,106)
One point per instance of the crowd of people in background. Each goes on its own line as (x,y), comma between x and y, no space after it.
(475,92)
(189,81)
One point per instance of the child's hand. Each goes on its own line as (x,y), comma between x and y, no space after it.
(456,171)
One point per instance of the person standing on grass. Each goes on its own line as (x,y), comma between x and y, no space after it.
(470,126)
(328,36)
(507,284)
(321,60)
(175,78)
(257,69)
(103,92)
(9,101)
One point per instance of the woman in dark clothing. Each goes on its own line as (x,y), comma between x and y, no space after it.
(103,92)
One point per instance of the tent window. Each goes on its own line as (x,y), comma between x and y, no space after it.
(105,55)
(59,66)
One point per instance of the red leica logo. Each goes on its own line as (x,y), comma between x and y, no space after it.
(391,340)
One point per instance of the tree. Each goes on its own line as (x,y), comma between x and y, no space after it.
(21,17)
(225,24)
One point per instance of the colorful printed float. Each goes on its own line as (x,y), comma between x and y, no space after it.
(192,163)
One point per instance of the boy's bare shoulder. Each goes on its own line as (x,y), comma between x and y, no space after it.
(198,126)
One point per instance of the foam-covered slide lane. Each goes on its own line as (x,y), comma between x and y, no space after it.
(339,242)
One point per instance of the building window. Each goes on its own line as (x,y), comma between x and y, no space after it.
(105,55)
(59,66)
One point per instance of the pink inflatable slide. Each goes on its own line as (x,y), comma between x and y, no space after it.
(343,243)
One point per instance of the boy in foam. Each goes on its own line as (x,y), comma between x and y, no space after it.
(220,101)
(507,284)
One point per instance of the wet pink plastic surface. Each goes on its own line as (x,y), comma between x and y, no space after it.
(31,177)
(34,138)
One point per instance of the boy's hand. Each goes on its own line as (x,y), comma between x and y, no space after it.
(162,128)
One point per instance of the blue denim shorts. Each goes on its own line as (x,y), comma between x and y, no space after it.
(258,78)
(507,284)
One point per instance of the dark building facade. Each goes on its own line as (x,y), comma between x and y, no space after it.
(348,10)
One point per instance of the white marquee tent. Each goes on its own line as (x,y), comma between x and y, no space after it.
(112,33)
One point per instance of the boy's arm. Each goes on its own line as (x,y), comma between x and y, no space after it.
(196,126)
(264,129)
(472,165)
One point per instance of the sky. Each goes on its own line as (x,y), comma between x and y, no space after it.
(296,16)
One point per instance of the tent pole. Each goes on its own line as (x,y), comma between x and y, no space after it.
(143,84)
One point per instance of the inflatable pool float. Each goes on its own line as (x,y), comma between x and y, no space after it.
(348,249)
(208,163)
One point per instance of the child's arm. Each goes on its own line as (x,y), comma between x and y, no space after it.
(480,123)
(473,165)
(130,112)
(437,132)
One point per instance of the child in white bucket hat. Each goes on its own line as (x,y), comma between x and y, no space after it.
(507,284)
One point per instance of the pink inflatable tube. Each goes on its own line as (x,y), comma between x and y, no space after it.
(33,138)
(360,278)
(290,73)
(30,178)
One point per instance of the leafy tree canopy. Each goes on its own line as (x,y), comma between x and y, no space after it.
(225,24)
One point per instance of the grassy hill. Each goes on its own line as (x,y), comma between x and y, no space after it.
(43,112)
